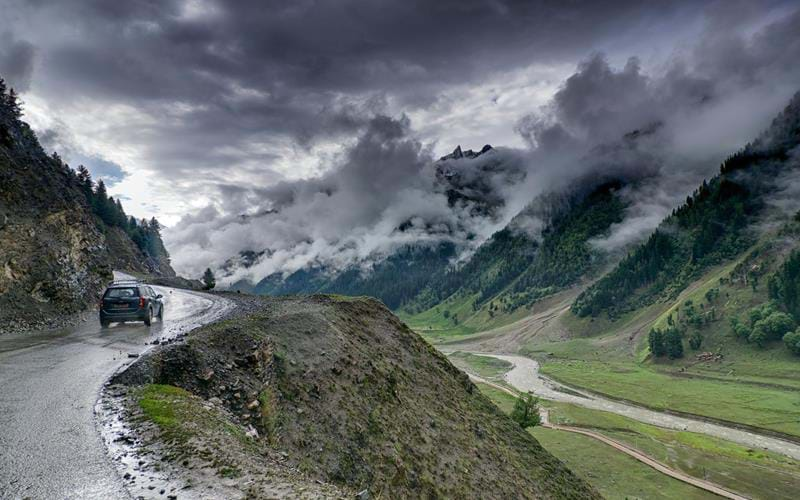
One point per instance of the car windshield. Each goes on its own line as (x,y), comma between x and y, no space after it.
(121,293)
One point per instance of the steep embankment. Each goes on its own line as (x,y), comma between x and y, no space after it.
(342,390)
(56,250)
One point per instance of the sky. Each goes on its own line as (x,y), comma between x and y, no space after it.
(308,129)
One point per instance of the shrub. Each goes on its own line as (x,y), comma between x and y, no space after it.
(758,336)
(778,324)
(792,341)
(740,329)
(526,411)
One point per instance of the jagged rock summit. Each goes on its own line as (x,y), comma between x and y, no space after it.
(457,153)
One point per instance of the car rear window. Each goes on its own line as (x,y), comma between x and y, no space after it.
(121,293)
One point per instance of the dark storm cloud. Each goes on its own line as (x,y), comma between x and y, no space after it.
(16,61)
(213,94)
(671,128)
(159,49)
(245,72)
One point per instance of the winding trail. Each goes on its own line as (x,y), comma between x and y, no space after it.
(50,446)
(632,452)
(645,459)
(525,377)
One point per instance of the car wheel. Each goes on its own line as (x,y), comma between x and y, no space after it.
(148,320)
(161,313)
(104,323)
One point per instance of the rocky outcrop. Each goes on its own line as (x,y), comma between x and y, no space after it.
(52,265)
(55,253)
(472,183)
(345,392)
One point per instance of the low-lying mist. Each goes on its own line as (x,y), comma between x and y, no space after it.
(666,128)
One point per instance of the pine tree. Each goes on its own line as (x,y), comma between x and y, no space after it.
(209,281)
(673,343)
(12,104)
(85,180)
(121,218)
(784,285)
(655,340)
(101,204)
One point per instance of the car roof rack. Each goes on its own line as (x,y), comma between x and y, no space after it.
(125,282)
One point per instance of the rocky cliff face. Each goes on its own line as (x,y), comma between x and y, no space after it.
(55,253)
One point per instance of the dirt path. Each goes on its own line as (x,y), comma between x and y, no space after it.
(638,455)
(507,338)
(645,459)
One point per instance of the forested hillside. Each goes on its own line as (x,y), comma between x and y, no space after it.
(518,266)
(395,280)
(515,267)
(716,223)
(61,235)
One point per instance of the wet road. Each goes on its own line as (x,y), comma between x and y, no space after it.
(525,376)
(49,384)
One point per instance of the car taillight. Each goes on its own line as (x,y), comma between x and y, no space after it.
(141,302)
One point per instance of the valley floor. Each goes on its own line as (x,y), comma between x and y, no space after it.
(733,420)
(617,475)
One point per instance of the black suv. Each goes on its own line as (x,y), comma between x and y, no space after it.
(130,301)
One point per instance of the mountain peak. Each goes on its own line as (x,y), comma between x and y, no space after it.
(457,153)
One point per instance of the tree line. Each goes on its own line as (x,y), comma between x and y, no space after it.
(145,234)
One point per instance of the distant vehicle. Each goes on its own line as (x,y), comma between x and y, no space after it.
(130,300)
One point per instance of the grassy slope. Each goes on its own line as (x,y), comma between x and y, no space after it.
(181,417)
(218,458)
(751,386)
(563,258)
(434,326)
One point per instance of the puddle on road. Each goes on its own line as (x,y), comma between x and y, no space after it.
(143,476)
(144,473)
